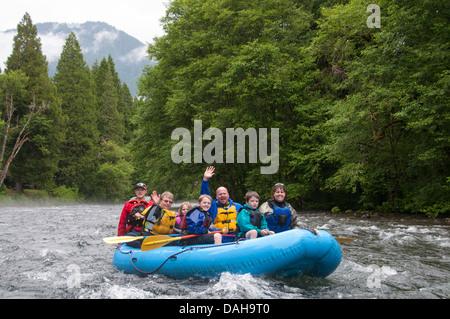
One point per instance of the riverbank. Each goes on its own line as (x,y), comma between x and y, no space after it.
(59,194)
(37,198)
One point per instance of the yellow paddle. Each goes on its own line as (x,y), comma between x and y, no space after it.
(153,242)
(120,239)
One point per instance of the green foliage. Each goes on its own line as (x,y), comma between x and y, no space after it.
(230,64)
(37,162)
(95,161)
(335,209)
(389,134)
(112,179)
(80,139)
(362,112)
(67,194)
(73,80)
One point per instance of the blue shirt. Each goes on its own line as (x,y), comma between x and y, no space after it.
(214,204)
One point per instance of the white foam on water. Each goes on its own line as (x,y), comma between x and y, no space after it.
(387,271)
(115,292)
(236,286)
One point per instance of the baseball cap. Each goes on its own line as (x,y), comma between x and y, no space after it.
(142,185)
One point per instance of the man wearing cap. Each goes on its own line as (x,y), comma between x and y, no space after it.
(140,189)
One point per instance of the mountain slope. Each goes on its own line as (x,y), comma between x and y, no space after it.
(97,40)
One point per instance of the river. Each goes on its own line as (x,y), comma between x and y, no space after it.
(57,252)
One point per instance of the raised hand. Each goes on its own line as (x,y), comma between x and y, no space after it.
(155,197)
(209,172)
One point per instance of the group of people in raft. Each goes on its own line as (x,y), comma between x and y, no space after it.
(154,217)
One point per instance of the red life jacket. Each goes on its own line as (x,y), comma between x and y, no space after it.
(129,206)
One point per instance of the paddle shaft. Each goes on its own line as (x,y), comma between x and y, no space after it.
(153,242)
(126,239)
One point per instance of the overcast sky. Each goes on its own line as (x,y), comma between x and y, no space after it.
(138,18)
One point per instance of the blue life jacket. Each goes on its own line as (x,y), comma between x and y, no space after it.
(280,220)
(197,224)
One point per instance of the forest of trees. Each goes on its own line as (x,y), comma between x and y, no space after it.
(77,147)
(362,112)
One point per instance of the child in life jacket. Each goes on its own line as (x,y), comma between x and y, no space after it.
(197,221)
(251,222)
(182,211)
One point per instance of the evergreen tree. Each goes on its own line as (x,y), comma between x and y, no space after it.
(74,83)
(115,75)
(37,163)
(110,121)
(113,177)
(126,110)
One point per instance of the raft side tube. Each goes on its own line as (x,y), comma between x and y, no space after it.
(291,253)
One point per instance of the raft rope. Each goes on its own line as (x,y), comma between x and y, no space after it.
(174,255)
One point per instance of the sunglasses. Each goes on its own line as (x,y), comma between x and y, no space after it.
(140,185)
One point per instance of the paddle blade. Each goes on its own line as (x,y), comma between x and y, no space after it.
(153,242)
(344,239)
(120,239)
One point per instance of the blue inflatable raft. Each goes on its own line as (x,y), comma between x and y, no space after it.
(290,253)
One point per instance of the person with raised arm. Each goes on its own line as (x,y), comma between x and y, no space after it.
(223,210)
